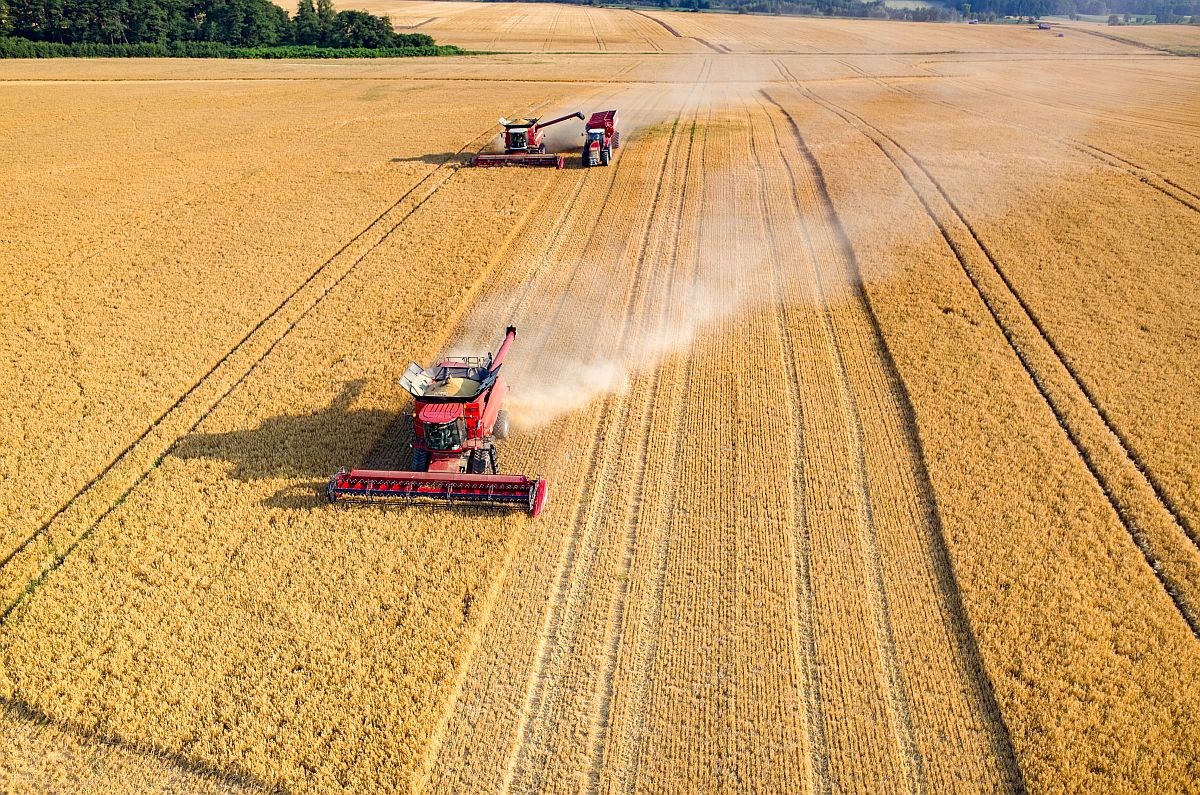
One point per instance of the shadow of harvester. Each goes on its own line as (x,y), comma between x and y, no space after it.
(437,159)
(309,447)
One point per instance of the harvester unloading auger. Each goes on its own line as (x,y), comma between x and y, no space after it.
(457,417)
(525,144)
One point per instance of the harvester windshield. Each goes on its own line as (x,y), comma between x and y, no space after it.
(446,436)
(518,139)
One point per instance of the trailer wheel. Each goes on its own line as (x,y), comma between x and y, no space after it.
(605,156)
(501,428)
(420,460)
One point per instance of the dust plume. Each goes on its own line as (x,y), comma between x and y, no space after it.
(579,342)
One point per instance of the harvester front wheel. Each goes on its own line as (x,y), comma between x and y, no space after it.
(501,429)
(586,161)
(542,149)
(605,156)
(420,460)
(482,462)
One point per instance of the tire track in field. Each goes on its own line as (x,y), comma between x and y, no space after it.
(1144,175)
(715,48)
(595,33)
(641,29)
(646,652)
(624,70)
(602,711)
(373,235)
(898,700)
(542,345)
(569,583)
(565,589)
(1113,467)
(1189,198)
(651,623)
(516,308)
(804,621)
(1147,176)
(1128,452)
(659,22)
(550,33)
(399,431)
(962,634)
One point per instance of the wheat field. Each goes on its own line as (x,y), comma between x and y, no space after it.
(862,379)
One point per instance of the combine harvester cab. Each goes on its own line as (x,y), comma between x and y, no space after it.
(525,144)
(457,417)
(602,138)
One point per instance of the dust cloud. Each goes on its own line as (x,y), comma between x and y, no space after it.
(578,343)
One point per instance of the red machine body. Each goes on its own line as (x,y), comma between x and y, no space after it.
(525,144)
(602,137)
(457,418)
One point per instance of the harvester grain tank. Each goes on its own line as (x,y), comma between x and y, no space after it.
(457,418)
(525,144)
(602,137)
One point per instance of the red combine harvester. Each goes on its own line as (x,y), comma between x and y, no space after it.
(525,144)
(602,137)
(457,418)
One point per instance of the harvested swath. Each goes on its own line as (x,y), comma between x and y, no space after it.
(1099,600)
(822,516)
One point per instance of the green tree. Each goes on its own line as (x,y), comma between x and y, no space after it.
(328,19)
(360,29)
(308,25)
(5,19)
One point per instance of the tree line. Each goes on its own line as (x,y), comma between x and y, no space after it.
(947,10)
(1165,11)
(173,23)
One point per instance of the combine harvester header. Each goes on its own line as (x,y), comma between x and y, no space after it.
(457,418)
(525,144)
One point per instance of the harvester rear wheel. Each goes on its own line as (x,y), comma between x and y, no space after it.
(501,428)
(420,460)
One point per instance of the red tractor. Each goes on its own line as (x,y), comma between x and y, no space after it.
(457,417)
(525,144)
(602,138)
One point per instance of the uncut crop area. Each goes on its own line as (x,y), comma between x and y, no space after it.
(863,380)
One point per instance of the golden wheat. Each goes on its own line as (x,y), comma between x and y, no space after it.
(860,380)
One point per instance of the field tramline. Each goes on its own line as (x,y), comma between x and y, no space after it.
(860,387)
